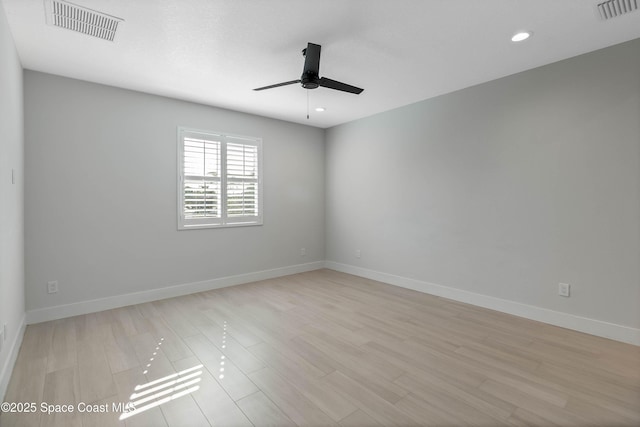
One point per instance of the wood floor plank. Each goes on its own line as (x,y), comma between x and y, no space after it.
(467,408)
(124,318)
(223,369)
(306,379)
(346,354)
(26,385)
(126,383)
(297,407)
(568,357)
(62,353)
(172,345)
(473,397)
(263,412)
(283,359)
(371,377)
(427,414)
(27,379)
(371,403)
(105,414)
(312,355)
(578,384)
(175,319)
(120,352)
(359,419)
(216,405)
(497,358)
(96,381)
(148,310)
(62,388)
(93,327)
(234,316)
(38,338)
(338,331)
(235,329)
(412,358)
(183,411)
(523,418)
(20,419)
(241,357)
(154,364)
(548,411)
(535,389)
(600,415)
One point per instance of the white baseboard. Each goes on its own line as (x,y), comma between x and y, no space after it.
(583,324)
(92,306)
(7,369)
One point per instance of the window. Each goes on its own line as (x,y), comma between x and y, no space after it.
(219,180)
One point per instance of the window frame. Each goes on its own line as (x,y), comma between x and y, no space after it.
(223,221)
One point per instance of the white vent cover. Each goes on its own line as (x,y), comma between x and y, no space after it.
(70,16)
(613,8)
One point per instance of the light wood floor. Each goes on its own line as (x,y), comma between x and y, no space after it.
(321,348)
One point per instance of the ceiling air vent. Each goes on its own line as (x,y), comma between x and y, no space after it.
(70,16)
(614,8)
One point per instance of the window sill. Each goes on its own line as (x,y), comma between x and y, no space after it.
(182,227)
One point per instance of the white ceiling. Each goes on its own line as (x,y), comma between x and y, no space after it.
(400,51)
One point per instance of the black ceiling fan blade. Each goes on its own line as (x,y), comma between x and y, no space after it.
(312,59)
(278,85)
(333,84)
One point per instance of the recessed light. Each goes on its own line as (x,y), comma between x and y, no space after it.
(521,36)
(320,109)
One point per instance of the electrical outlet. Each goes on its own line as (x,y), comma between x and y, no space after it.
(358,253)
(4,330)
(564,289)
(303,251)
(52,287)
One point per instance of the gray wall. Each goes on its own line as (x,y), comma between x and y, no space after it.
(11,196)
(503,189)
(101,194)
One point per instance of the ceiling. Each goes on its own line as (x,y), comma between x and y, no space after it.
(215,52)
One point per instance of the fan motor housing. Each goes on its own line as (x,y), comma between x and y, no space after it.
(310,81)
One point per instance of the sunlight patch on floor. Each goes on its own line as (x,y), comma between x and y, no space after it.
(157,392)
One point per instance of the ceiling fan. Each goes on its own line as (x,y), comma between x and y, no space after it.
(310,78)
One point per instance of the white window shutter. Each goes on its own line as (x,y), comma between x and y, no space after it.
(242,180)
(219,180)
